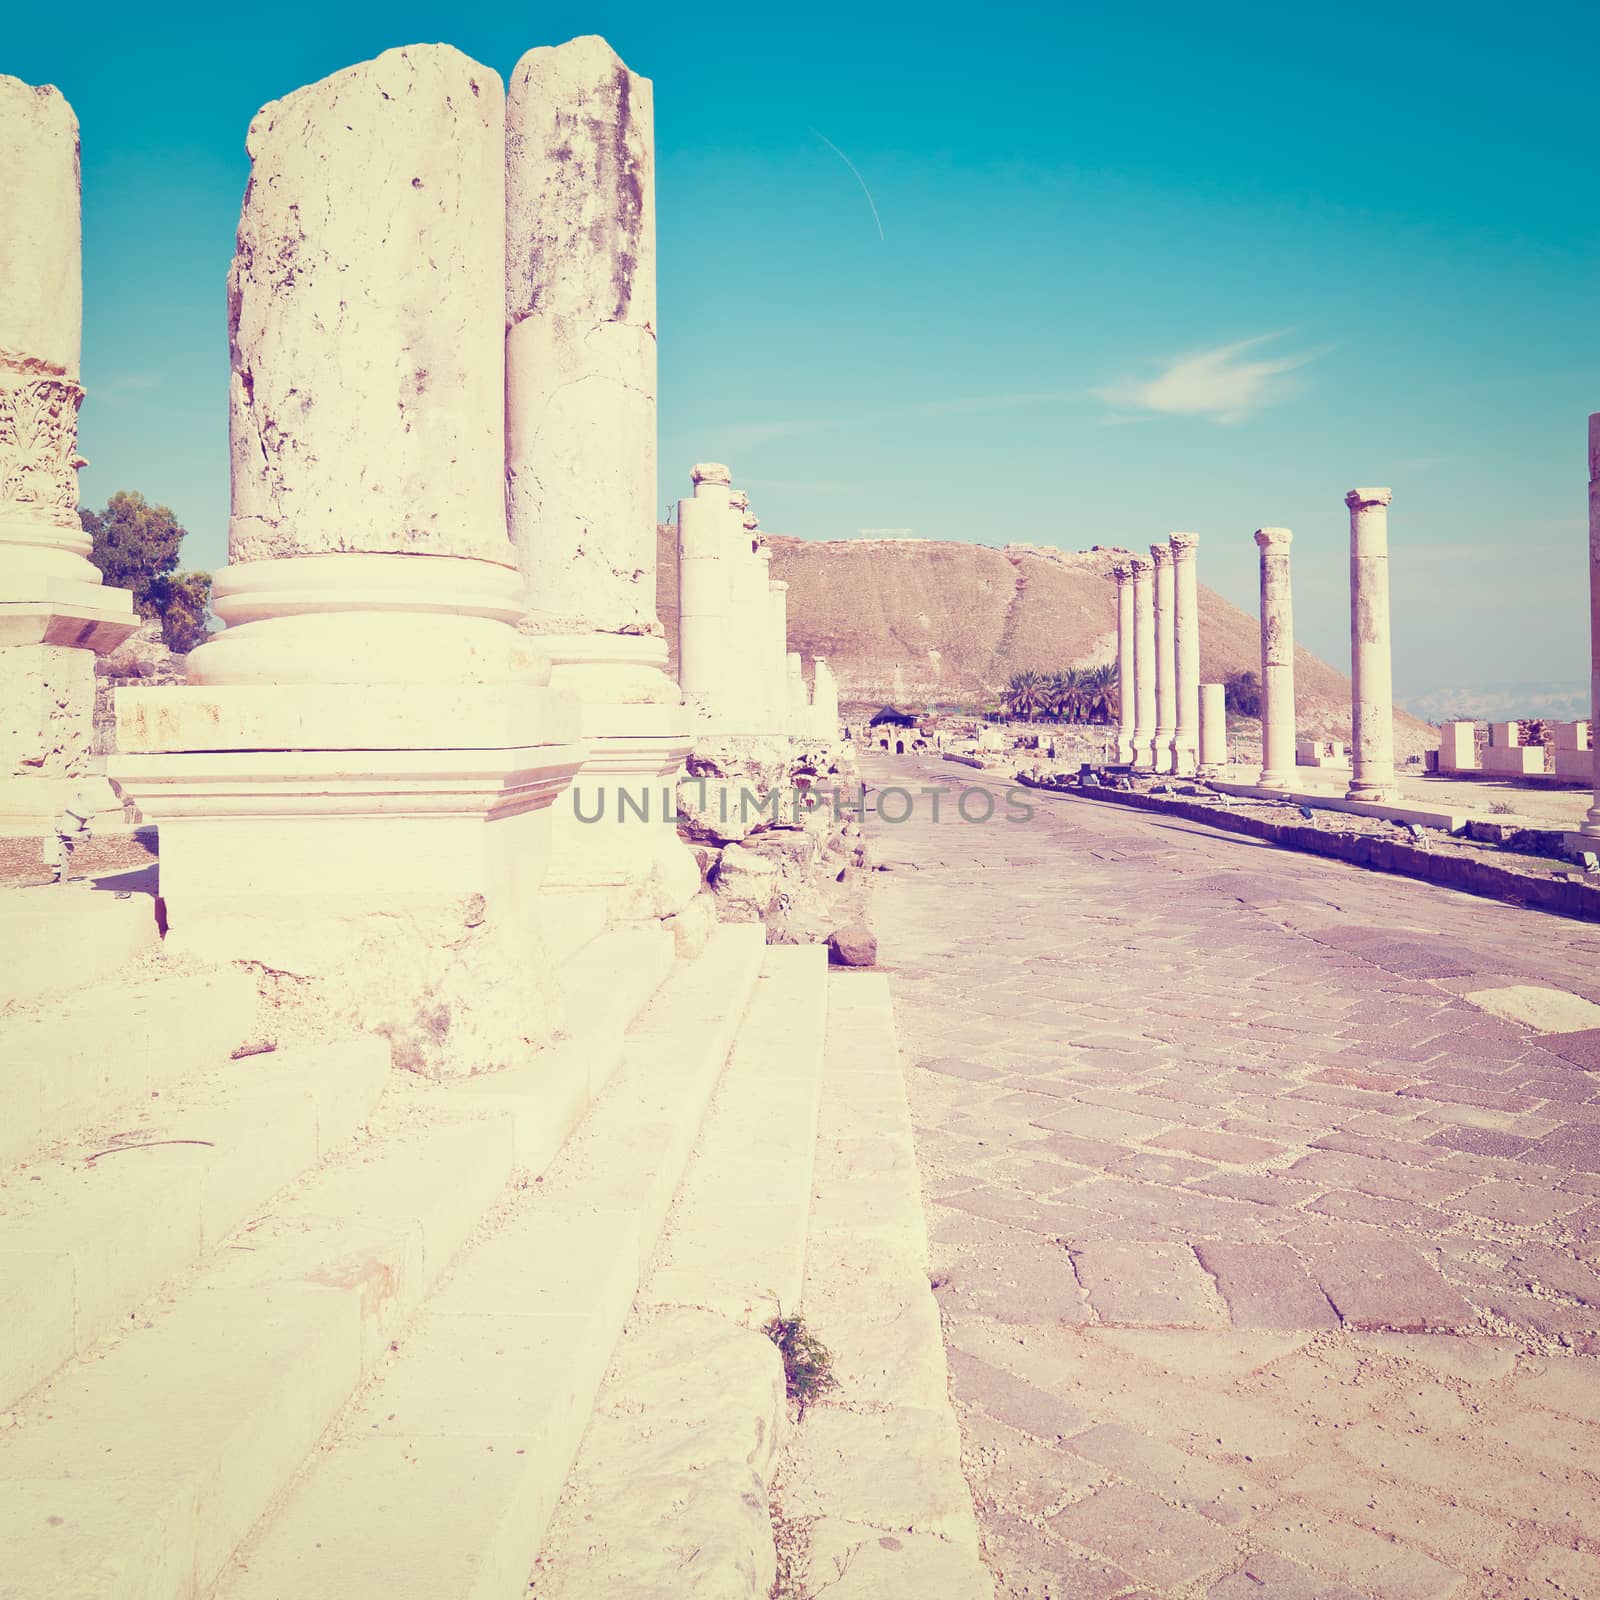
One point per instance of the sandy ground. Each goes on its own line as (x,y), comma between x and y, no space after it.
(1267,1260)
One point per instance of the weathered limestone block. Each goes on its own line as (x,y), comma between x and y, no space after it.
(824,700)
(745,883)
(580,313)
(1277,660)
(54,614)
(776,663)
(345,401)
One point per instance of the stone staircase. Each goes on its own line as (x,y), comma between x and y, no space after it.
(345,1292)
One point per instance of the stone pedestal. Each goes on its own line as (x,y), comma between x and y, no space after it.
(1144,662)
(1125,686)
(1590,831)
(580,464)
(1277,660)
(1186,673)
(1372,694)
(1213,750)
(1458,747)
(1166,658)
(354,790)
(55,616)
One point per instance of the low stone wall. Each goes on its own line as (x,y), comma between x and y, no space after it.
(1569,897)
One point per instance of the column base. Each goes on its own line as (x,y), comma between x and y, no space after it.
(374,851)
(1386,794)
(615,852)
(1274,780)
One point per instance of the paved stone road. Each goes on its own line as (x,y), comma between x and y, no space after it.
(1268,1262)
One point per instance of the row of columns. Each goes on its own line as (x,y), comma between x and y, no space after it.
(735,668)
(1170,723)
(1158,657)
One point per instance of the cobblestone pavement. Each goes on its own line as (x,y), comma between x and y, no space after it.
(1267,1260)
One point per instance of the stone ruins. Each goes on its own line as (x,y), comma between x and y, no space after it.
(463,1154)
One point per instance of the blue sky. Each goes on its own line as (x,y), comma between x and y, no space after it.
(1140,269)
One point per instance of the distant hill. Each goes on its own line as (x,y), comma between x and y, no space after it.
(920,621)
(1505,702)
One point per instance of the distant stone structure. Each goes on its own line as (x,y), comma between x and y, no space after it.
(55,615)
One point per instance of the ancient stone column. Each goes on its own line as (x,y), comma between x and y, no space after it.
(1371,691)
(777,657)
(1213,752)
(1166,657)
(1144,662)
(54,615)
(799,700)
(1591,823)
(1125,689)
(1186,675)
(1277,660)
(354,789)
(705,620)
(824,699)
(580,473)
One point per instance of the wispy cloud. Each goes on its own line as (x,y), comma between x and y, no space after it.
(1221,385)
(121,384)
(735,436)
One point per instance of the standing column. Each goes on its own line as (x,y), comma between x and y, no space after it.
(1591,824)
(1213,754)
(355,787)
(776,670)
(1125,690)
(580,463)
(704,557)
(824,699)
(799,701)
(1371,691)
(1186,678)
(1144,662)
(1166,659)
(1277,660)
(55,617)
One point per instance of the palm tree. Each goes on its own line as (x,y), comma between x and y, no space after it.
(1104,692)
(1024,694)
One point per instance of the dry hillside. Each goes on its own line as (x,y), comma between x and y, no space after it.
(925,621)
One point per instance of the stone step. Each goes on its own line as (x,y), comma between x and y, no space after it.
(670,1491)
(607,983)
(875,1480)
(67,1063)
(89,1234)
(61,938)
(134,1473)
(438,1482)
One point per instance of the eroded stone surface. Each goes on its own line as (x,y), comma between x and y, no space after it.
(365,315)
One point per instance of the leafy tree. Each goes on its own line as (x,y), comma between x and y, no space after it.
(1241,693)
(183,600)
(135,546)
(1024,695)
(1103,693)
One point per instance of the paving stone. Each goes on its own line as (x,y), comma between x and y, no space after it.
(1152,1464)
(1390,1179)
(1268,1577)
(1162,1284)
(1265,1286)
(1385,1286)
(1157,1543)
(1012,1400)
(1481,1142)
(1581,1047)
(1231,1147)
(1577,1149)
